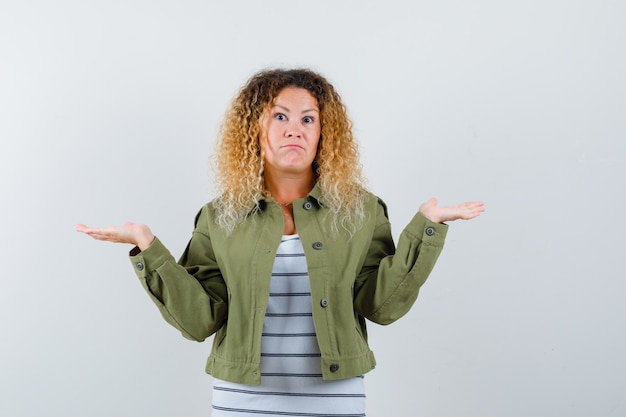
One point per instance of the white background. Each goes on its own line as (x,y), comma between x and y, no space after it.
(108,112)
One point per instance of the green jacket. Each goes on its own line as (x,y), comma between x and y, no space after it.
(221,283)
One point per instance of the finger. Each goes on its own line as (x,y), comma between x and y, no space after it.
(431,202)
(472,214)
(478,206)
(107,236)
(473,206)
(90,231)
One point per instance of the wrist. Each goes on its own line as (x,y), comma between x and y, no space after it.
(431,217)
(145,242)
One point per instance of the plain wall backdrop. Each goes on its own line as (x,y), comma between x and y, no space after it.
(108,112)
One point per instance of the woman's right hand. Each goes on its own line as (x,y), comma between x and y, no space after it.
(139,235)
(440,214)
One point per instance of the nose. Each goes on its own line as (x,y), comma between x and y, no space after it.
(293,130)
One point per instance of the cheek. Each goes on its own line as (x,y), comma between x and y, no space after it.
(262,144)
(265,145)
(266,134)
(317,135)
(270,133)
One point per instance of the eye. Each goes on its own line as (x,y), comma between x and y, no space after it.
(280,116)
(307,119)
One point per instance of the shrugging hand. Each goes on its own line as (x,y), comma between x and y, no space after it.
(440,214)
(139,235)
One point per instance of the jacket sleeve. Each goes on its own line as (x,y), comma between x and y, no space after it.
(191,294)
(389,282)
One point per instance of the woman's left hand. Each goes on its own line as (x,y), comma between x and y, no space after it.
(441,214)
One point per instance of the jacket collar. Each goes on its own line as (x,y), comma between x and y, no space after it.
(314,195)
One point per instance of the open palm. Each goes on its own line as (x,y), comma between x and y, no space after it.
(441,214)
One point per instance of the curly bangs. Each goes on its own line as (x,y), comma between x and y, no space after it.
(264,86)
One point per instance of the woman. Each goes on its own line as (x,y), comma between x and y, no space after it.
(291,258)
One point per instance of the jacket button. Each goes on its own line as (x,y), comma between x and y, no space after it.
(324,303)
(308,205)
(139,266)
(317,245)
(334,367)
(430,231)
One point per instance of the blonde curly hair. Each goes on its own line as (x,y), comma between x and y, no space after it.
(238,160)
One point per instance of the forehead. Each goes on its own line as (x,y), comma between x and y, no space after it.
(295,96)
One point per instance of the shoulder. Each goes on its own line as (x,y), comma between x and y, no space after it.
(375,209)
(217,217)
(205,216)
(207,209)
(375,203)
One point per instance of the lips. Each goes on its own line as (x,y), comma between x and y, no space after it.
(292,145)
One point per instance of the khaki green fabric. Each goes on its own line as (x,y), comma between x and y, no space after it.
(221,283)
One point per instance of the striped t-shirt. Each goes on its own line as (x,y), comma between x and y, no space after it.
(291,373)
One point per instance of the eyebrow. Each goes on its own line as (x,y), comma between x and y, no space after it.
(303,111)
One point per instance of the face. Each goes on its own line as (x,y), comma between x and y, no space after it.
(292,131)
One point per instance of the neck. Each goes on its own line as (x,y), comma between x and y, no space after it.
(286,189)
